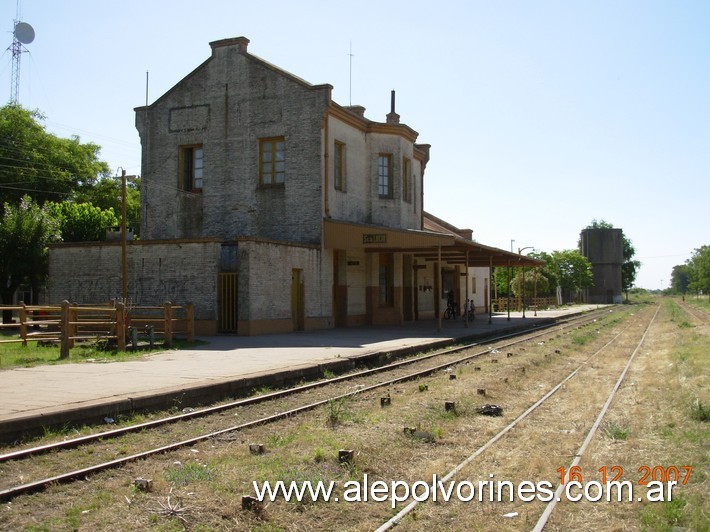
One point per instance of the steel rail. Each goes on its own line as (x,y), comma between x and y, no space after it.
(698,313)
(592,432)
(395,520)
(83,440)
(31,487)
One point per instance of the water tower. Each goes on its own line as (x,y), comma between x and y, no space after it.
(604,248)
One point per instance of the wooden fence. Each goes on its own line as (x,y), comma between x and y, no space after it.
(69,323)
(501,304)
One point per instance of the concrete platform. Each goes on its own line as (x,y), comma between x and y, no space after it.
(226,366)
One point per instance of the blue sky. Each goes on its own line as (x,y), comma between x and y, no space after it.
(542,115)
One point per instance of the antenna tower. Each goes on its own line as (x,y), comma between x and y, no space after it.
(22,34)
(351,72)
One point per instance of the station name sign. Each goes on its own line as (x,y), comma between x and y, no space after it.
(374,238)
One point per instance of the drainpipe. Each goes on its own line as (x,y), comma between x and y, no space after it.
(326,162)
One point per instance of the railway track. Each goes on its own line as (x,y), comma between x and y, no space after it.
(464,466)
(699,314)
(251,411)
(559,394)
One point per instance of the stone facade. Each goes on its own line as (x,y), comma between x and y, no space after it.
(176,271)
(245,169)
(226,106)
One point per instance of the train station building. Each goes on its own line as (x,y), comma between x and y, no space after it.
(272,208)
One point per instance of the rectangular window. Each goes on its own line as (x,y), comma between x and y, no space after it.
(339,166)
(473,285)
(407,180)
(384,175)
(272,161)
(386,280)
(191,168)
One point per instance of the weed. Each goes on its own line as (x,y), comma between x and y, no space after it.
(664,516)
(328,374)
(65,430)
(678,315)
(189,472)
(122,449)
(615,431)
(313,473)
(699,412)
(279,440)
(581,338)
(337,410)
(320,455)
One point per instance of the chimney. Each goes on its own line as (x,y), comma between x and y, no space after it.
(357,109)
(241,42)
(392,117)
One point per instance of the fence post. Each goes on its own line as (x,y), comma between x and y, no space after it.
(121,326)
(168,317)
(190,322)
(23,323)
(73,326)
(64,326)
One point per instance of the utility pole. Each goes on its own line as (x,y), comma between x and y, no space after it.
(124,267)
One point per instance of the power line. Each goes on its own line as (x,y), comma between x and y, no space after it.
(35,190)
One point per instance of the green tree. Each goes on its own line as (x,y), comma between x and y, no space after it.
(41,165)
(37,167)
(574,272)
(26,231)
(680,279)
(699,267)
(106,194)
(549,272)
(82,222)
(542,280)
(534,283)
(629,268)
(503,279)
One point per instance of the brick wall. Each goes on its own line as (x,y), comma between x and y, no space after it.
(265,273)
(181,272)
(226,105)
(360,201)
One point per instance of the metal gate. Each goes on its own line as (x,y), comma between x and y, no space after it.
(227,290)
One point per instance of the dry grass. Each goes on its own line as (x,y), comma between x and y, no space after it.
(655,408)
(201,488)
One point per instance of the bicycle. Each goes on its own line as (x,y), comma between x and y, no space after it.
(470,310)
(450,311)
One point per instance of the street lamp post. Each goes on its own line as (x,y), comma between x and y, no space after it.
(508,284)
(520,250)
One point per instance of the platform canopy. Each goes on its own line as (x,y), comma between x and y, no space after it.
(427,245)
